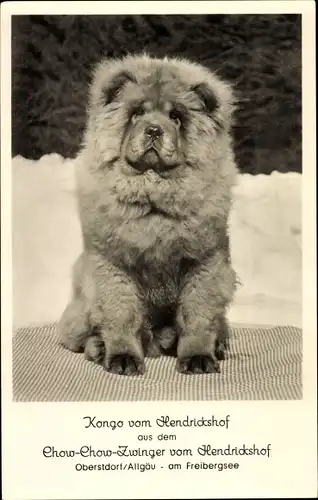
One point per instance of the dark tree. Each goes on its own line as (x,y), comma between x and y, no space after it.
(260,54)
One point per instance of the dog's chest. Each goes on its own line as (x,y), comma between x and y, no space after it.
(161,283)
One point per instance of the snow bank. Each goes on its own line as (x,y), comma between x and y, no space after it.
(265,234)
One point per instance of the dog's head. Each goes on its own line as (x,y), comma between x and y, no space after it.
(158,114)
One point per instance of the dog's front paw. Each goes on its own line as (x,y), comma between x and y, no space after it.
(124,355)
(200,363)
(125,364)
(196,354)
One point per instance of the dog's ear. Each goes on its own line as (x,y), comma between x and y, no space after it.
(112,89)
(218,100)
(207,97)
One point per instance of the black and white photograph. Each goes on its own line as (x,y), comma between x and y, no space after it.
(158,222)
(156,207)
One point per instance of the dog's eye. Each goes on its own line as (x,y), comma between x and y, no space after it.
(176,117)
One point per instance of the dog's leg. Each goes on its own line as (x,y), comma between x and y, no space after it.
(164,342)
(95,349)
(222,341)
(201,323)
(119,316)
(74,325)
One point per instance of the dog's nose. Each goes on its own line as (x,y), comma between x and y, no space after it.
(154,132)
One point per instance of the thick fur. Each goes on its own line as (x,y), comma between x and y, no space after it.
(155,275)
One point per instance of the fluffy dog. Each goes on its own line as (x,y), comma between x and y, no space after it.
(154,182)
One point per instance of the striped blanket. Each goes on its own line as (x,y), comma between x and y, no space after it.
(264,364)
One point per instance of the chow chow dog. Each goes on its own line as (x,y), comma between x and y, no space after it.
(154,179)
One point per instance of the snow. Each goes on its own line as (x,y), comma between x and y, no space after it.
(265,229)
